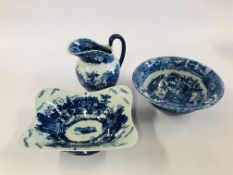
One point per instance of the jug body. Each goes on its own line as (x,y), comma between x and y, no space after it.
(95,77)
(97,68)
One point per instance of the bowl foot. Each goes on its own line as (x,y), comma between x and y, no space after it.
(82,153)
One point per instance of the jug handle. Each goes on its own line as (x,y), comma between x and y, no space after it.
(123,45)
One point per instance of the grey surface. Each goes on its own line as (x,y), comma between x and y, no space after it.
(33,53)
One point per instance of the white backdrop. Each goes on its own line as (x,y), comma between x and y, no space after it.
(34,36)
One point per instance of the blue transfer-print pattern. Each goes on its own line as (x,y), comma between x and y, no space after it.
(54,90)
(41,94)
(81,123)
(177,93)
(177,88)
(94,81)
(96,57)
(112,90)
(124,91)
(56,120)
(126,101)
(86,130)
(38,145)
(25,141)
(91,52)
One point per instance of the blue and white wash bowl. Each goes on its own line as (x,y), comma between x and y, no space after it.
(178,85)
(97,68)
(82,123)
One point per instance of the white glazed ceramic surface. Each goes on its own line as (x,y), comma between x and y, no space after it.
(93,121)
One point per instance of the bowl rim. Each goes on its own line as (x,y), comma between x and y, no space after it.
(171,106)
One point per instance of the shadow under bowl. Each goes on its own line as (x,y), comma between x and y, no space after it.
(178,85)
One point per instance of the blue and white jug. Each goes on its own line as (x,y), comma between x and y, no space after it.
(97,67)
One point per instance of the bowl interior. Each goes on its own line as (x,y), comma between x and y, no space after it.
(92,121)
(178,82)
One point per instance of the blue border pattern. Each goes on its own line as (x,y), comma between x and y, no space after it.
(212,82)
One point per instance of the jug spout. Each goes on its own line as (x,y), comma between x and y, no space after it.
(91,52)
